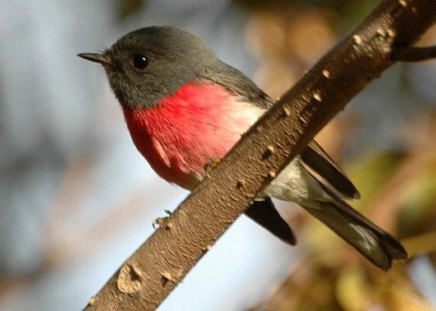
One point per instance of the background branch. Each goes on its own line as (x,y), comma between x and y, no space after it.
(153,271)
(414,54)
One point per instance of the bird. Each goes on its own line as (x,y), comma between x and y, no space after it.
(185,108)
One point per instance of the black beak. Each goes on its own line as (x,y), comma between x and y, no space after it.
(96,57)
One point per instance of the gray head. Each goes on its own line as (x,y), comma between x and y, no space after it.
(150,63)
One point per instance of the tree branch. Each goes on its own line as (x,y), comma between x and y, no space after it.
(153,271)
(414,54)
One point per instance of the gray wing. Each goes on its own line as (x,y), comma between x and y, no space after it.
(314,157)
(317,160)
(238,83)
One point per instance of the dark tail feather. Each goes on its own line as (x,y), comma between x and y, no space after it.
(376,245)
(264,213)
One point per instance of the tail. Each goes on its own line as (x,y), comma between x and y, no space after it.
(376,245)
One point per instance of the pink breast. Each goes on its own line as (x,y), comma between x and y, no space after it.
(184,132)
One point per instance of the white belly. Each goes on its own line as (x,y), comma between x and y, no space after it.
(295,184)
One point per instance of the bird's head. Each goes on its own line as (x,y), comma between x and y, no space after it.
(151,63)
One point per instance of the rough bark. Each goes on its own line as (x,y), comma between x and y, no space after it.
(153,271)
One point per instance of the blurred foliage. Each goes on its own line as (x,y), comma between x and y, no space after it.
(350,11)
(286,40)
(317,285)
(372,171)
(129,7)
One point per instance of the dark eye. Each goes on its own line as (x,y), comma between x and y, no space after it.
(140,61)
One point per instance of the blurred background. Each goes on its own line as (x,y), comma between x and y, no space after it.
(76,198)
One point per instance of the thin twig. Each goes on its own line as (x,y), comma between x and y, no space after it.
(414,54)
